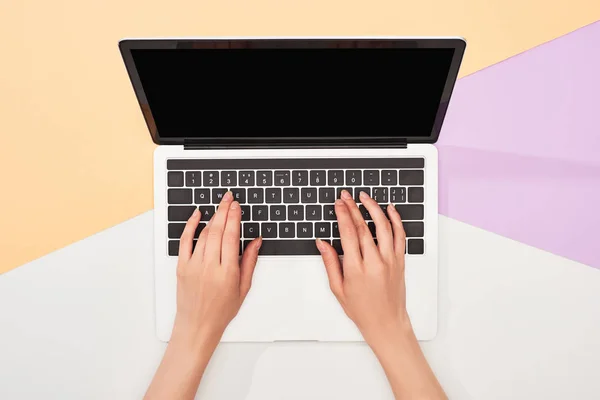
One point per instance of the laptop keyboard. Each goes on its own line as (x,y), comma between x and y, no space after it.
(290,202)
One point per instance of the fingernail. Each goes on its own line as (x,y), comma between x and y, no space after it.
(339,202)
(259,243)
(346,195)
(195,213)
(391,208)
(228,196)
(234,205)
(363,195)
(320,244)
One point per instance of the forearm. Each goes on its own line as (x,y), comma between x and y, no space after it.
(405,366)
(182,367)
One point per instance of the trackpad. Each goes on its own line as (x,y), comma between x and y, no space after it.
(290,299)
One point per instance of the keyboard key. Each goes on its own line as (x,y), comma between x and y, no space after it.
(173,247)
(371,226)
(239,195)
(175,230)
(389,177)
(300,178)
(245,213)
(296,213)
(415,195)
(308,195)
(202,196)
(180,213)
(282,178)
(246,178)
(313,213)
(269,230)
(286,230)
(353,177)
(264,178)
(260,213)
(174,178)
(371,177)
(335,177)
(278,213)
(251,230)
(256,195)
(329,213)
(217,195)
(193,178)
(416,246)
(397,195)
(229,178)
(273,195)
(291,195)
(357,193)
(337,245)
(326,195)
(206,212)
(339,191)
(380,194)
(335,230)
(410,212)
(306,247)
(305,230)
(179,196)
(414,229)
(411,177)
(323,229)
(211,178)
(318,178)
(365,213)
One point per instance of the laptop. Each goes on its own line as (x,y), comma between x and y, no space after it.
(286,124)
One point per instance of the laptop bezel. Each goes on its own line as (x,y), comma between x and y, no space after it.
(456,43)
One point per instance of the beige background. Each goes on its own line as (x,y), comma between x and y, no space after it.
(75,155)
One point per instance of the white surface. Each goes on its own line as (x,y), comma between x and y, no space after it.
(292,300)
(515,323)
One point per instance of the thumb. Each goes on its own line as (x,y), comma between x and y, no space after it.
(247,266)
(332,266)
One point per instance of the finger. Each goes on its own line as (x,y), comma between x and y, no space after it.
(348,234)
(247,266)
(365,239)
(399,234)
(231,237)
(332,266)
(201,244)
(212,250)
(383,229)
(186,242)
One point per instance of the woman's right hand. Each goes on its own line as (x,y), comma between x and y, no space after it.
(370,287)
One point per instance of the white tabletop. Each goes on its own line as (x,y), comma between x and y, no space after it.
(515,322)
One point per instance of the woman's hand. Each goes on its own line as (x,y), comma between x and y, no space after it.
(211,286)
(211,281)
(371,287)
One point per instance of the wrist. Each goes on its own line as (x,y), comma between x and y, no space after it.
(194,339)
(394,334)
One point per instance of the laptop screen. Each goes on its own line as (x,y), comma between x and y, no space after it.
(337,89)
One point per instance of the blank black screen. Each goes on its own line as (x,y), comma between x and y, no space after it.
(293,92)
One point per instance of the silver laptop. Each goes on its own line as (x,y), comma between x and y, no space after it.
(286,124)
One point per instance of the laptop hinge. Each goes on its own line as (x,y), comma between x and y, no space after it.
(241,143)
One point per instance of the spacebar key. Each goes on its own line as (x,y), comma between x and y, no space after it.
(289,248)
